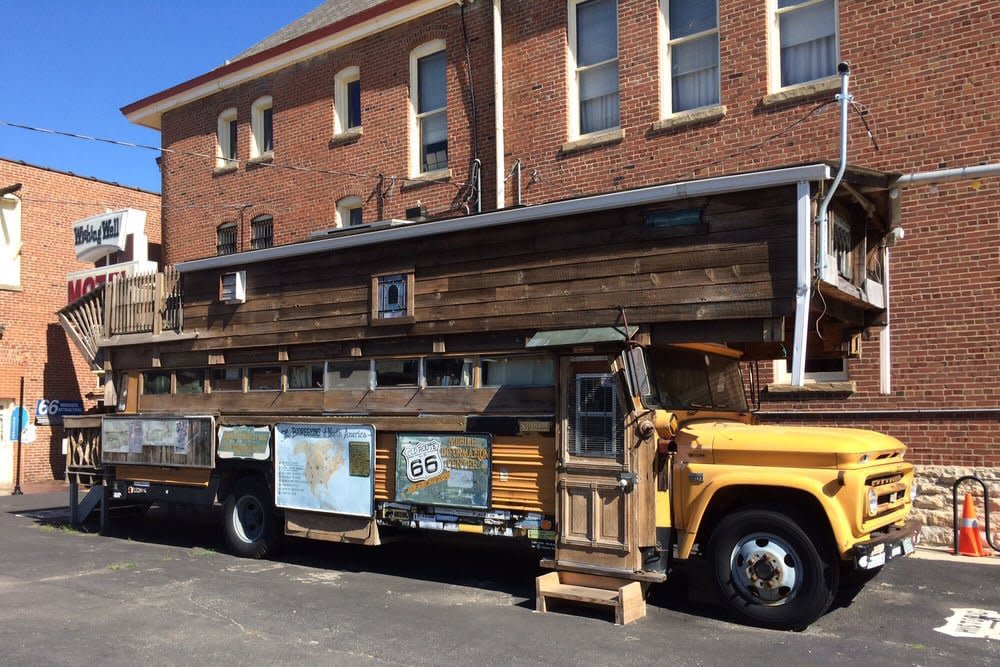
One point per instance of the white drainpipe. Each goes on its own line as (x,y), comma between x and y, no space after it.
(845,100)
(803,274)
(501,167)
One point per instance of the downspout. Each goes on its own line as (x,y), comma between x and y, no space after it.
(845,100)
(803,275)
(499,170)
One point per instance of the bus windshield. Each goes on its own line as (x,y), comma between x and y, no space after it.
(693,380)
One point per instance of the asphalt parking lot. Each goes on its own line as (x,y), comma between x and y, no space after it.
(160,590)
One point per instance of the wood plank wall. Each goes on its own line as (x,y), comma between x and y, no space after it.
(737,263)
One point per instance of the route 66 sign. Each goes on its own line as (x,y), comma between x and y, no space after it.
(422,459)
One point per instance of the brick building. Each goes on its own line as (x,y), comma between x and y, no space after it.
(365,111)
(37,243)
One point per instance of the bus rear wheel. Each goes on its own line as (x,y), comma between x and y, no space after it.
(251,526)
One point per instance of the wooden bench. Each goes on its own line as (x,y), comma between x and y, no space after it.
(625,596)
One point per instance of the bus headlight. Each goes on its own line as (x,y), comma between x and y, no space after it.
(872,502)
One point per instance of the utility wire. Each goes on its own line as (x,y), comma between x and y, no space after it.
(234,161)
(788,128)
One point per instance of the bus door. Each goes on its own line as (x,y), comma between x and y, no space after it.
(593,479)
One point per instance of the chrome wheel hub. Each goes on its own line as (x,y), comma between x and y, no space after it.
(766,569)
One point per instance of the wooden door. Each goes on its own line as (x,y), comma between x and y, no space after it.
(593,479)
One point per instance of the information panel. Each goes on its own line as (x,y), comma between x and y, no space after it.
(325,468)
(183,441)
(244,442)
(443,469)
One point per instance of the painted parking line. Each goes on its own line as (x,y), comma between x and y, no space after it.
(976,623)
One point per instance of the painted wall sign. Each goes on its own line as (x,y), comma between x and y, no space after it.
(51,411)
(80,283)
(100,235)
(244,442)
(449,469)
(325,468)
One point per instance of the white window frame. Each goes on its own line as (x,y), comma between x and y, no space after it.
(783,376)
(666,64)
(260,105)
(425,49)
(341,100)
(11,242)
(774,42)
(344,208)
(573,78)
(222,140)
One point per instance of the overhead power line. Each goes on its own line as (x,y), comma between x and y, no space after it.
(175,151)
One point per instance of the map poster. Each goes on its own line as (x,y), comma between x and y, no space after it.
(325,468)
(450,469)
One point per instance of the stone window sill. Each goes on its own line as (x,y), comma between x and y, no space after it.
(593,141)
(227,169)
(11,288)
(427,178)
(266,158)
(692,117)
(347,137)
(802,91)
(845,387)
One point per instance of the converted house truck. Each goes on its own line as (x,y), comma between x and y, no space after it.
(579,375)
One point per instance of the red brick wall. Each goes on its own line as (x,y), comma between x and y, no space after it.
(197,201)
(926,70)
(34,345)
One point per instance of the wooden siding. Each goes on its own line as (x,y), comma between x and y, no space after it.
(574,272)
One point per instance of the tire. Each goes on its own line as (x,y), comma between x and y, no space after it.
(251,525)
(769,572)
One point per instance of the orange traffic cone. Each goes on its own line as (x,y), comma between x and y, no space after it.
(970,543)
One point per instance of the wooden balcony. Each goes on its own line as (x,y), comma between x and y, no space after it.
(131,309)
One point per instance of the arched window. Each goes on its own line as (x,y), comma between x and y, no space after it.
(347,100)
(261,232)
(225,238)
(262,128)
(225,145)
(350,212)
(428,108)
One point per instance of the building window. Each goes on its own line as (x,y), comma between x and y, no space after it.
(691,54)
(226,379)
(818,369)
(190,381)
(262,128)
(392,298)
(520,371)
(354,374)
(156,383)
(449,372)
(428,102)
(264,378)
(593,40)
(804,44)
(10,242)
(225,238)
(305,376)
(261,232)
(349,212)
(347,100)
(397,372)
(225,145)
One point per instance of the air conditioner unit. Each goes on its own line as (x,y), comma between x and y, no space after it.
(233,287)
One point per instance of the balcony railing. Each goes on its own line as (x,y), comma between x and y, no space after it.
(141,304)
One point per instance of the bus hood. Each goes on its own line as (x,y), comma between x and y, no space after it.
(734,443)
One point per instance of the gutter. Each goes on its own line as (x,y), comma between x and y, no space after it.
(389,231)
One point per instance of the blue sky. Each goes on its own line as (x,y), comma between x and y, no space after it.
(71,65)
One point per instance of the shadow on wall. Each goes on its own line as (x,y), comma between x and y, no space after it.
(59,382)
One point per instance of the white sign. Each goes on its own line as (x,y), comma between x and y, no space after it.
(100,235)
(977,623)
